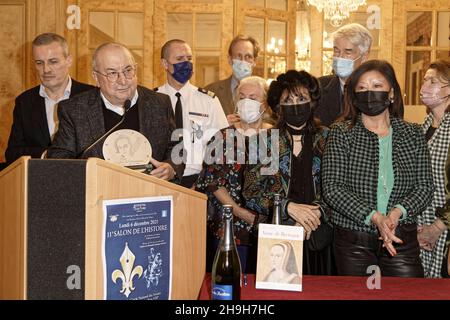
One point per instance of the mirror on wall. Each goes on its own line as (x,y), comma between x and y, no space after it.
(255,28)
(302,41)
(276,48)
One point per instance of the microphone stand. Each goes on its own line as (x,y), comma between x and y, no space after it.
(126,106)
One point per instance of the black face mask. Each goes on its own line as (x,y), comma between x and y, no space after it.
(372,103)
(296,114)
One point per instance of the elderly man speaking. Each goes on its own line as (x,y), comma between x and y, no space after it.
(85,118)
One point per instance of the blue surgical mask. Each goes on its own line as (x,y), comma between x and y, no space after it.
(241,69)
(342,67)
(182,71)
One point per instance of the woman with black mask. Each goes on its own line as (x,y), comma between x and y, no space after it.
(376,177)
(293,97)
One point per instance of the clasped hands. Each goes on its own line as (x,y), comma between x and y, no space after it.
(386,226)
(428,235)
(306,216)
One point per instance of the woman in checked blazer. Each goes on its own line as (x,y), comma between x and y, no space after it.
(376,177)
(432,232)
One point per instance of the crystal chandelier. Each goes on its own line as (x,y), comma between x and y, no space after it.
(336,10)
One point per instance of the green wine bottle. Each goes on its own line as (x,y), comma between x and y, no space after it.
(226,270)
(276,213)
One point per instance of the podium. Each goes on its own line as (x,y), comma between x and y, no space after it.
(51,218)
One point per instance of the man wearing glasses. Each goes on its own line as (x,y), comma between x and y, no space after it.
(242,54)
(34,119)
(88,116)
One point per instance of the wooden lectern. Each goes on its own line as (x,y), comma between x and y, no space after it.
(51,218)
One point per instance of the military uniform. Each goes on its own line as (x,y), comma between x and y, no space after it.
(203,116)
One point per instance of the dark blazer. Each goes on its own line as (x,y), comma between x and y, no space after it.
(81,122)
(29,132)
(331,102)
(222,89)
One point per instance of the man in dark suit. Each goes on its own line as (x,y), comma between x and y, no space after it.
(86,117)
(34,117)
(351,47)
(242,54)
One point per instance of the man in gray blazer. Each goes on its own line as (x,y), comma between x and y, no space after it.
(351,47)
(86,117)
(242,54)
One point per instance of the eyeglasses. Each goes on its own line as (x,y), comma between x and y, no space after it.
(113,76)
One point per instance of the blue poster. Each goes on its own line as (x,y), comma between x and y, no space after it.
(137,248)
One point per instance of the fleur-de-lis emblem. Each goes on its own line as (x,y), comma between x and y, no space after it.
(127,261)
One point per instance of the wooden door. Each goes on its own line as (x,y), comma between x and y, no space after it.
(126,22)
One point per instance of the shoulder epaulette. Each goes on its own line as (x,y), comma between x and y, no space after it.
(209,93)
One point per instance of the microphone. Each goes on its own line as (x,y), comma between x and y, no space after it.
(126,106)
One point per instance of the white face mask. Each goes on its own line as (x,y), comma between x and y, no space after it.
(241,69)
(248,110)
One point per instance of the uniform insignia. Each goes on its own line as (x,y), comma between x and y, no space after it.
(209,93)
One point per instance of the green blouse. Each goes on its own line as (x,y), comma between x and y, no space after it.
(385,176)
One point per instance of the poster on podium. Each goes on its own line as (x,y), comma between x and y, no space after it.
(137,248)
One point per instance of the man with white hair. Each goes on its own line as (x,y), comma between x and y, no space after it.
(351,47)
